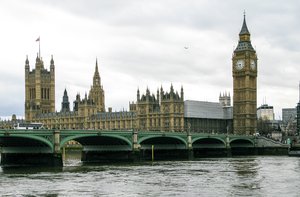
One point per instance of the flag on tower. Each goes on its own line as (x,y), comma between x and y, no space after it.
(38,40)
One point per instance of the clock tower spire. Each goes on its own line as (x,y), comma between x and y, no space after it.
(244,72)
(244,30)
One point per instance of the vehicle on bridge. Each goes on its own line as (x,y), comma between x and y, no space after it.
(28,126)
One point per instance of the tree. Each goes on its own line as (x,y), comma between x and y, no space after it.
(264,126)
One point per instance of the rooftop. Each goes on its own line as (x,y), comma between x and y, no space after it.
(207,110)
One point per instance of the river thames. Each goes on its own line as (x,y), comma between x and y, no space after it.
(235,176)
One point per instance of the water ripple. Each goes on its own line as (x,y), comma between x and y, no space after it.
(242,176)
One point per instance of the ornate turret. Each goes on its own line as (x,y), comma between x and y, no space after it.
(27,67)
(171,89)
(85,97)
(52,84)
(96,94)
(76,102)
(27,61)
(51,61)
(96,78)
(157,95)
(161,92)
(138,95)
(28,91)
(65,105)
(38,65)
(37,59)
(182,93)
(224,99)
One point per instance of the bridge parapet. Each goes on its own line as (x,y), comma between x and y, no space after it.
(266,142)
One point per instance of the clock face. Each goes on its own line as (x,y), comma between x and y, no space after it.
(240,64)
(252,64)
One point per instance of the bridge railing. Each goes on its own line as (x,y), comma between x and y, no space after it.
(270,140)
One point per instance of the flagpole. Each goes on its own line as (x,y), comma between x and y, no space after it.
(40,47)
(39,40)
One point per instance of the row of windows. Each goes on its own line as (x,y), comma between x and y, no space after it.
(32,93)
(157,123)
(91,125)
(162,108)
(45,93)
(208,125)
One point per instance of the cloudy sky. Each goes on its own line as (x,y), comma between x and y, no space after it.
(142,44)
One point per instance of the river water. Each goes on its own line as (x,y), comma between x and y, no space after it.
(236,176)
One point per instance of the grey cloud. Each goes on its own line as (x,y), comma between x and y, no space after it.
(143,42)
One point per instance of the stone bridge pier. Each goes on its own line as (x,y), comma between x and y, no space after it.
(57,154)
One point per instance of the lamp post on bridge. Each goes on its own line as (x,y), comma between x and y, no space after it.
(189,136)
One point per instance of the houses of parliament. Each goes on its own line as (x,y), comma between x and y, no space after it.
(160,111)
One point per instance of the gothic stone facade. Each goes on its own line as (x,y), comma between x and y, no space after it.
(244,71)
(39,89)
(163,113)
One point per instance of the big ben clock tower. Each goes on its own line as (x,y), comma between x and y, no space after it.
(244,72)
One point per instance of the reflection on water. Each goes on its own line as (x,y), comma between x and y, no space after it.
(246,177)
(72,158)
(237,176)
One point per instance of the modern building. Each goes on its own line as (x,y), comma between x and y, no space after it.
(265,112)
(288,115)
(207,117)
(289,120)
(244,72)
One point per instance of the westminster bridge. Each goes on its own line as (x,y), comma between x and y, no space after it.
(45,146)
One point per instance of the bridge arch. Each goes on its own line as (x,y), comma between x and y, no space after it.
(211,142)
(26,140)
(241,142)
(150,138)
(162,142)
(95,138)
